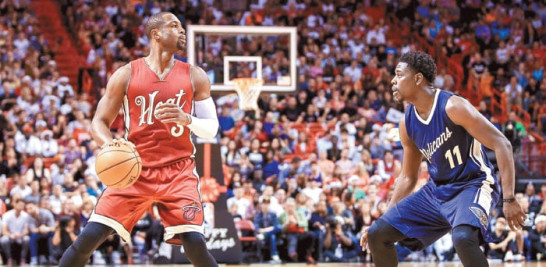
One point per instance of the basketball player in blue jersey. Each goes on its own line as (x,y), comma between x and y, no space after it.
(448,132)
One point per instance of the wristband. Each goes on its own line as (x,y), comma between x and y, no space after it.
(508,200)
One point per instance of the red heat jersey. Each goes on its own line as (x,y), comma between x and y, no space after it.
(157,143)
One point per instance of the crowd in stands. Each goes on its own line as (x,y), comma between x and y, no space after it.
(502,47)
(314,168)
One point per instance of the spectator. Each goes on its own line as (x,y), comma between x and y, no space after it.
(64,236)
(35,194)
(345,166)
(537,236)
(388,167)
(27,143)
(312,190)
(69,209)
(41,226)
(87,209)
(353,186)
(234,211)
(267,226)
(514,131)
(15,230)
(64,88)
(271,168)
(21,188)
(38,171)
(444,249)
(56,199)
(11,165)
(295,227)
(226,121)
(505,244)
(255,156)
(239,200)
(514,92)
(50,147)
(353,70)
(139,233)
(231,156)
(280,195)
(317,226)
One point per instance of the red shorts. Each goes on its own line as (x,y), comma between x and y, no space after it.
(175,190)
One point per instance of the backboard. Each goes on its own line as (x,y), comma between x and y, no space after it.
(229,52)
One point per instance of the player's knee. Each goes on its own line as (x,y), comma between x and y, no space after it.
(193,239)
(374,234)
(195,247)
(465,237)
(377,234)
(91,236)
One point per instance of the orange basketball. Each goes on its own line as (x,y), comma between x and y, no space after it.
(118,165)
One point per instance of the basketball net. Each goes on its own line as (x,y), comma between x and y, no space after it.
(248,90)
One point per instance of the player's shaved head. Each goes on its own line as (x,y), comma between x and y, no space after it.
(155,22)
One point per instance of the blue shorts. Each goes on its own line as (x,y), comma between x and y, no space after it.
(423,218)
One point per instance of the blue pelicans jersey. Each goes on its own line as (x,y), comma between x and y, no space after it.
(455,159)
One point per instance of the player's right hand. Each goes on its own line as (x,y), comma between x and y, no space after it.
(364,239)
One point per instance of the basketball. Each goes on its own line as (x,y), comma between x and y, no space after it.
(118,165)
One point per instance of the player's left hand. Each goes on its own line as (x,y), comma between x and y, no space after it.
(514,215)
(114,141)
(172,113)
(364,239)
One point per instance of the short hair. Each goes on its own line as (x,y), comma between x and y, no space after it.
(421,62)
(154,22)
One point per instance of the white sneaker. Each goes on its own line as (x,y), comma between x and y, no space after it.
(260,236)
(275,259)
(97,258)
(116,258)
(42,260)
(509,256)
(518,257)
(430,258)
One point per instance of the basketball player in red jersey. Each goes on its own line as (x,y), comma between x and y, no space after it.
(163,99)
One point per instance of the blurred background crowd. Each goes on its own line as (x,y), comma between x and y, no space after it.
(311,167)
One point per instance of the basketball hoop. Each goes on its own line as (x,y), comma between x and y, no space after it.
(248,90)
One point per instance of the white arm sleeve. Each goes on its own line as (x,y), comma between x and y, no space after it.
(205,121)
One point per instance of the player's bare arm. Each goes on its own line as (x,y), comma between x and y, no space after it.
(462,113)
(204,121)
(201,83)
(407,180)
(109,105)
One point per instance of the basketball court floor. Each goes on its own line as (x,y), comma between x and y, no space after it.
(421,264)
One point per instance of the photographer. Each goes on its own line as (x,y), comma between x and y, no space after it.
(339,245)
(64,236)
